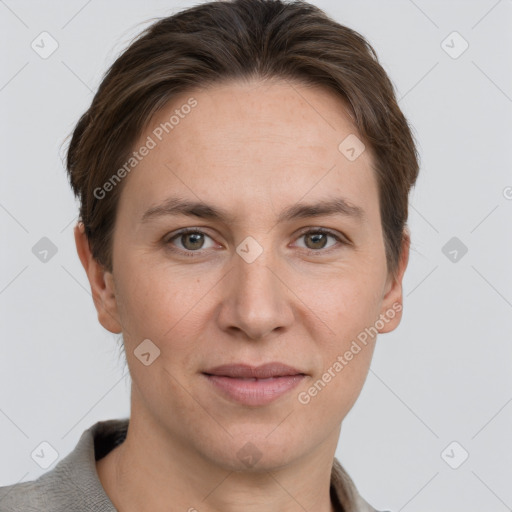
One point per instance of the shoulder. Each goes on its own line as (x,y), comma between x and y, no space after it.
(347,492)
(22,497)
(73,484)
(52,491)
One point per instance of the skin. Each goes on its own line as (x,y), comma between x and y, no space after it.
(253,148)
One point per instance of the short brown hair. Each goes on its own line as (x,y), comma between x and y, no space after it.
(240,39)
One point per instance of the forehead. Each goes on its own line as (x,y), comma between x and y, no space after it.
(251,143)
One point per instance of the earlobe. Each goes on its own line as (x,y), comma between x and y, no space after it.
(101,282)
(392,305)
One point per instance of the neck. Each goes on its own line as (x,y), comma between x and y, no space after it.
(153,471)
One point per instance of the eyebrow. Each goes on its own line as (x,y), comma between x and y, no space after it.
(174,206)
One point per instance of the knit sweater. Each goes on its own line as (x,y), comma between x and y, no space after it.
(73,484)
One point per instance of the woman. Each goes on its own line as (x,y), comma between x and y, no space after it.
(243,174)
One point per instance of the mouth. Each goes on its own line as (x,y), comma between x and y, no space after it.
(254,385)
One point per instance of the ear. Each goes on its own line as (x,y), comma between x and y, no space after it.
(101,281)
(392,304)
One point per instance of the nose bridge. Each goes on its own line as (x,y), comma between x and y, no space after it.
(257,301)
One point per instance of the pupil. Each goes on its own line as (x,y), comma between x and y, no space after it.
(316,237)
(195,237)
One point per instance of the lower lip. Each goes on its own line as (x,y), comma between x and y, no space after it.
(254,392)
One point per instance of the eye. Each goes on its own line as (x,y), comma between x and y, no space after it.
(316,239)
(191,240)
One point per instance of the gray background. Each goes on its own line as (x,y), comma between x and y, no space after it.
(442,376)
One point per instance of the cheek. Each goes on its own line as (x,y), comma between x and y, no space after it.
(346,356)
(161,303)
(164,307)
(346,302)
(342,382)
(350,308)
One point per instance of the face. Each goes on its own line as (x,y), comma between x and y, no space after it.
(261,277)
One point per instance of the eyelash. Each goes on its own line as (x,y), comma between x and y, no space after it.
(188,253)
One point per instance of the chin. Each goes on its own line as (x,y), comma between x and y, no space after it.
(255,451)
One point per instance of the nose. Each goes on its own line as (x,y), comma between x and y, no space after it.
(256,300)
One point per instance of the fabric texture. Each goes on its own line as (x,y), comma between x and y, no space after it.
(73,484)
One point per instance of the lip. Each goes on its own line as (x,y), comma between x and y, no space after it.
(254,385)
(246,371)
